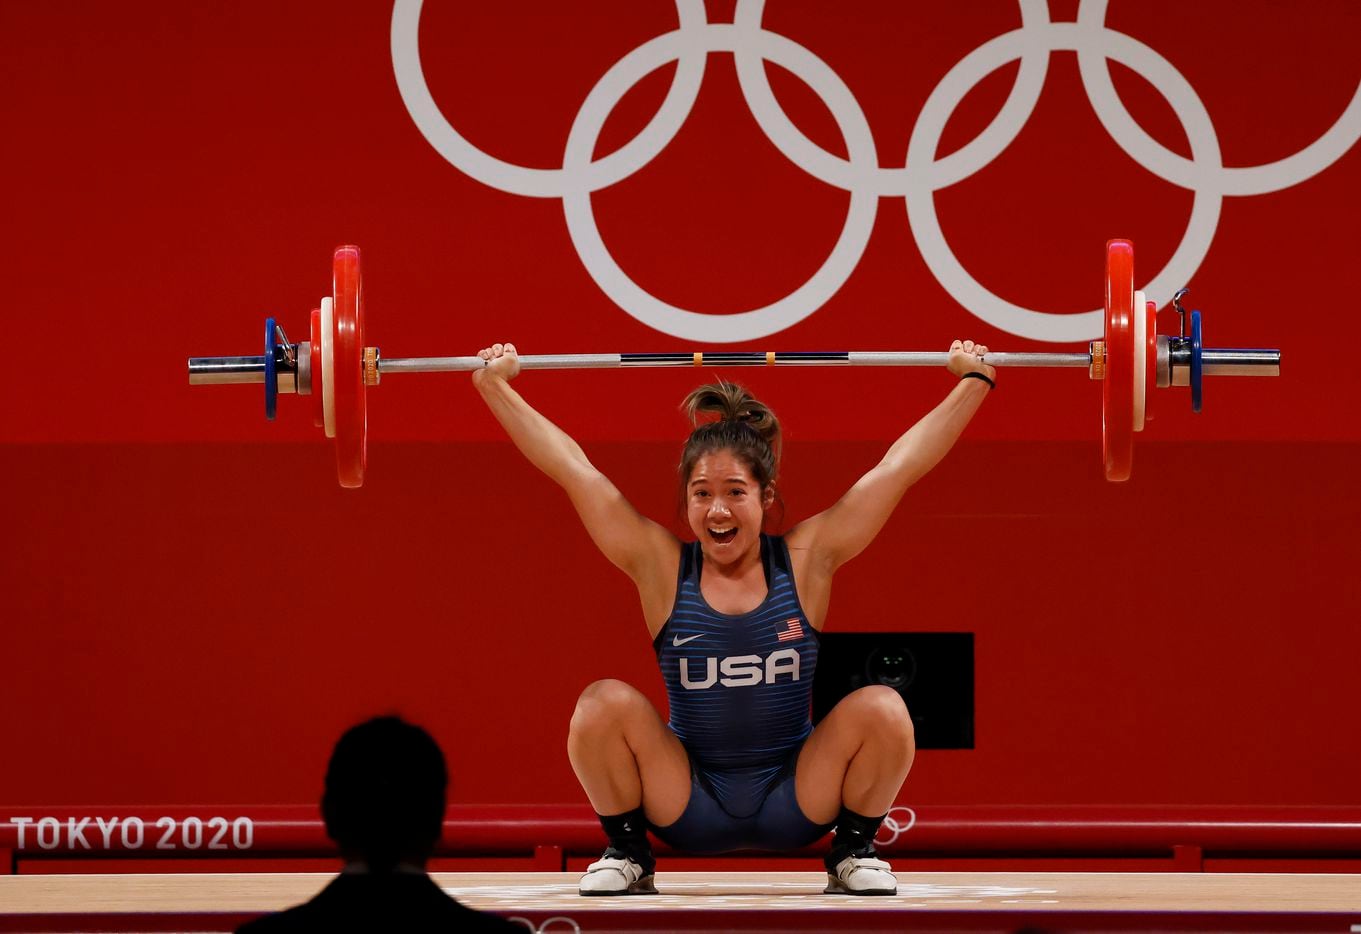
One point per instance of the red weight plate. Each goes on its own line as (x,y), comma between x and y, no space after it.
(1151,381)
(317,418)
(351,413)
(1117,390)
(1140,370)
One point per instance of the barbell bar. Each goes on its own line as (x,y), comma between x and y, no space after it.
(337,368)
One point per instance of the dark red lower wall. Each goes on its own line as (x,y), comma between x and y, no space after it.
(190,623)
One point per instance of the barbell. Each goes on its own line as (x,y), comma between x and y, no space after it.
(337,368)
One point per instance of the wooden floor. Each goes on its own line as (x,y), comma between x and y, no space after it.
(1115,901)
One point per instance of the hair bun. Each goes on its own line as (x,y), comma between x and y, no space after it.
(732,403)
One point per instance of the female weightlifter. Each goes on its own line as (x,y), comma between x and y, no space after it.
(735,617)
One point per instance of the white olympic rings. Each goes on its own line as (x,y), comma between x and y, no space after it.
(860,174)
(556,923)
(895,826)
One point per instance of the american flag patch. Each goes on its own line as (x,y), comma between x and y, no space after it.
(790,629)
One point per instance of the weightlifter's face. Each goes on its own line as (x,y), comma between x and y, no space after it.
(725,506)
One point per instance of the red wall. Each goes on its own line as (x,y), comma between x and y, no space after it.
(192,610)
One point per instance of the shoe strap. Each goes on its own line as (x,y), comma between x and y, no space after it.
(870,863)
(629,869)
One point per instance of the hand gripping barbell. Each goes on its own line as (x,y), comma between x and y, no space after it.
(337,368)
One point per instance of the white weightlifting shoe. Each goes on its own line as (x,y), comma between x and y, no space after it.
(616,874)
(862,875)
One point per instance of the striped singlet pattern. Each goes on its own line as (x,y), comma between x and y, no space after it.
(740,686)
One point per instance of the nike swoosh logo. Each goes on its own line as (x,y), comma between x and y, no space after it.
(678,641)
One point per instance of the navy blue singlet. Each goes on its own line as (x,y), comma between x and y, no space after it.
(740,686)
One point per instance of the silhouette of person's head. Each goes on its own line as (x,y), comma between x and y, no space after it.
(385,794)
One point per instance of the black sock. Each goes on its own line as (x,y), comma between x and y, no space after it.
(854,836)
(628,835)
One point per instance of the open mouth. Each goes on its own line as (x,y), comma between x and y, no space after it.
(722,536)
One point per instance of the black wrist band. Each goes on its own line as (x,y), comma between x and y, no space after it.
(974,374)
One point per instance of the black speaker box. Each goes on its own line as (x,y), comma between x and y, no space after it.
(933,671)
